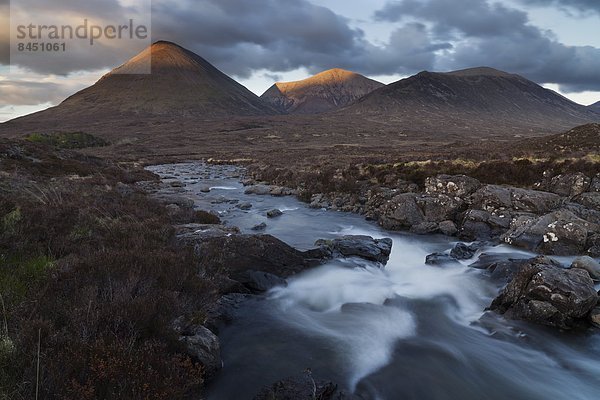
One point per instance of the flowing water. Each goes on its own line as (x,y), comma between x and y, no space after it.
(407,331)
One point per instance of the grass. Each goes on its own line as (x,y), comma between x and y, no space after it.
(67,140)
(93,277)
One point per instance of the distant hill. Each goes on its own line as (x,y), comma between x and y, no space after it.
(181,84)
(595,107)
(328,90)
(474,100)
(584,139)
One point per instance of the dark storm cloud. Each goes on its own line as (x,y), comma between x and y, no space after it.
(240,36)
(582,6)
(494,35)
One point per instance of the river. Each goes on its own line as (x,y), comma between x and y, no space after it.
(406,331)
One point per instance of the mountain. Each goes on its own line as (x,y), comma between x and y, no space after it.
(595,107)
(180,84)
(478,100)
(328,90)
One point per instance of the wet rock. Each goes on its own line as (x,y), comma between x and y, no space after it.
(558,233)
(302,387)
(259,189)
(440,259)
(201,345)
(205,189)
(274,213)
(588,264)
(452,185)
(225,310)
(358,246)
(177,184)
(544,293)
(260,227)
(462,251)
(499,267)
(258,281)
(244,206)
(401,212)
(448,228)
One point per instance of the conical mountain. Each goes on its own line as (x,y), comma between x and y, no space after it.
(326,91)
(180,84)
(477,100)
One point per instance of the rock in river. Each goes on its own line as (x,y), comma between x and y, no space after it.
(589,264)
(542,292)
(358,246)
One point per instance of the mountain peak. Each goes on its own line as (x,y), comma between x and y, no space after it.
(166,79)
(325,91)
(480,71)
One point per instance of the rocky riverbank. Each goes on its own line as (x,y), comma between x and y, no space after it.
(560,215)
(559,220)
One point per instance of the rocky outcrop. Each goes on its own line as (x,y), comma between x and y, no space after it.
(200,344)
(452,185)
(542,292)
(357,246)
(560,233)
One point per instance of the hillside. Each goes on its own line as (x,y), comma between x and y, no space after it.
(328,90)
(477,99)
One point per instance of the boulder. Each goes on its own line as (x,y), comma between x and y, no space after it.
(462,251)
(425,228)
(229,255)
(192,233)
(589,200)
(357,246)
(439,207)
(258,281)
(440,259)
(595,184)
(559,233)
(448,228)
(588,264)
(499,267)
(244,206)
(593,245)
(205,189)
(401,212)
(495,198)
(594,317)
(260,227)
(279,191)
(274,213)
(259,189)
(483,225)
(544,293)
(200,344)
(452,185)
(568,185)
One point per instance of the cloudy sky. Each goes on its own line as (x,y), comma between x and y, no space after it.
(553,42)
